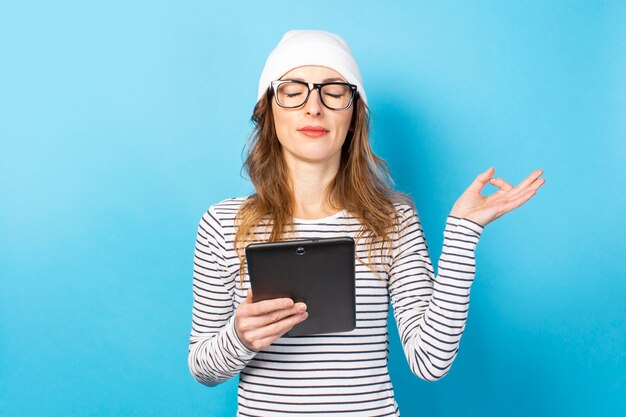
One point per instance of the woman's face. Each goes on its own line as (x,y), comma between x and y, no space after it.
(312,133)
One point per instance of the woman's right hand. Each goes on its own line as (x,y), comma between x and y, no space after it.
(259,324)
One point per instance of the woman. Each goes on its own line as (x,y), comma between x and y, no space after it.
(316,176)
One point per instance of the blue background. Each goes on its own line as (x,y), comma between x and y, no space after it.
(122,121)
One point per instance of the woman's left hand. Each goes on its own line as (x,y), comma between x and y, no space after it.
(483,210)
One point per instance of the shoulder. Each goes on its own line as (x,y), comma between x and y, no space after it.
(221,213)
(226,209)
(405,211)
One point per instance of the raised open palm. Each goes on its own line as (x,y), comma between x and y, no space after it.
(482,209)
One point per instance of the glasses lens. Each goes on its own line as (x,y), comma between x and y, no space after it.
(336,96)
(291,94)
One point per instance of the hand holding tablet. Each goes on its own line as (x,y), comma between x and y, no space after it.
(317,272)
(259,324)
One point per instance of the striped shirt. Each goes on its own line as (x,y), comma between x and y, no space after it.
(340,373)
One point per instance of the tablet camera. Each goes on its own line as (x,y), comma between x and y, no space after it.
(300,251)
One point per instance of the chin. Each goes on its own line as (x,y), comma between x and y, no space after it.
(315,153)
(315,157)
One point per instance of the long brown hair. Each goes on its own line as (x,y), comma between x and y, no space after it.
(362,186)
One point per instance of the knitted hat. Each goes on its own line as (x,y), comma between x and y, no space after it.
(311,47)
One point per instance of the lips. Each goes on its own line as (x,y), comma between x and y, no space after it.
(313,131)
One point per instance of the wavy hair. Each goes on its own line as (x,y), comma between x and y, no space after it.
(362,186)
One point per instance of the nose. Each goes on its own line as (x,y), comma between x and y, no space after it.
(314,104)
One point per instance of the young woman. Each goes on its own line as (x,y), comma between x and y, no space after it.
(316,176)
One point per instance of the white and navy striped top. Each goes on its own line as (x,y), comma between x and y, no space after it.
(341,373)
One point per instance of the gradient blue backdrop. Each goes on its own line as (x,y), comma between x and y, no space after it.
(122,121)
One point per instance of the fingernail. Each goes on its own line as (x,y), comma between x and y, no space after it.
(301,307)
(303,315)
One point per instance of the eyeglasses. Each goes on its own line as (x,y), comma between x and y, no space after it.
(334,95)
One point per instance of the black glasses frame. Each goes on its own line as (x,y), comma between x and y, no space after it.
(318,86)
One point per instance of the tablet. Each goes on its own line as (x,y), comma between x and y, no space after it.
(318,272)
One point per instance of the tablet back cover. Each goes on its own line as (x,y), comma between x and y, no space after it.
(318,272)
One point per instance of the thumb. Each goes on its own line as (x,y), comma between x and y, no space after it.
(249,296)
(482,179)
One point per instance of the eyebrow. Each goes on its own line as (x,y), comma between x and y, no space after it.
(325,80)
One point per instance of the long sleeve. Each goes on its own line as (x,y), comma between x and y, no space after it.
(431,313)
(216,353)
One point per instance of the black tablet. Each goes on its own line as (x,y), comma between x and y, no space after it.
(318,272)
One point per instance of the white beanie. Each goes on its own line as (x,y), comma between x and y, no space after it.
(311,47)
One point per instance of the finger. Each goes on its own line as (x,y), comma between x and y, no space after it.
(283,326)
(249,297)
(276,316)
(528,180)
(481,180)
(256,322)
(501,184)
(535,185)
(267,306)
(263,343)
(262,337)
(276,330)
